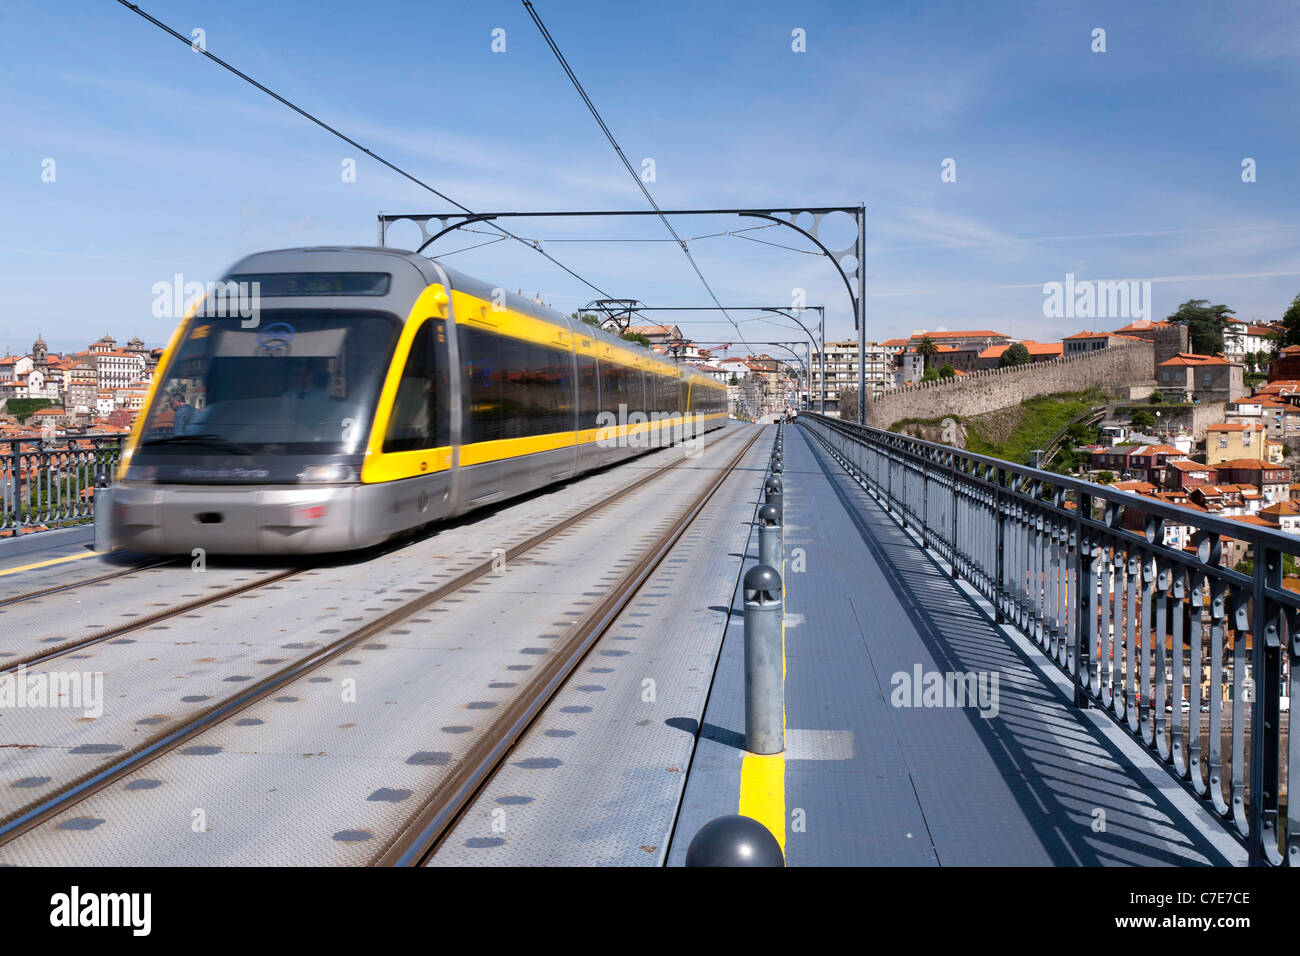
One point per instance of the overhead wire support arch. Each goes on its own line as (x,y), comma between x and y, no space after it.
(817,346)
(853,277)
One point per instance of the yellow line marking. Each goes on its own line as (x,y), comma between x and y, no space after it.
(46,564)
(762,792)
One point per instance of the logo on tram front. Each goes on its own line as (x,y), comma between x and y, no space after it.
(275,339)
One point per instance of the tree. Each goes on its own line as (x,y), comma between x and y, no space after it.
(930,375)
(1156,398)
(947,372)
(636,337)
(927,349)
(1081,434)
(1014,354)
(1106,478)
(1205,324)
(733,380)
(1291,324)
(24,408)
(1143,419)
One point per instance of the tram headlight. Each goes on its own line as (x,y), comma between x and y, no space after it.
(328,473)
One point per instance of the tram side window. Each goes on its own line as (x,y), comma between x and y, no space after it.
(552,393)
(611,387)
(480,358)
(639,397)
(588,396)
(516,389)
(420,417)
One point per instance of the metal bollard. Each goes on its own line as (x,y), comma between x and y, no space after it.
(764,680)
(772,493)
(734,841)
(103,519)
(769,536)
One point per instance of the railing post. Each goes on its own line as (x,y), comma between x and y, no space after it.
(1083,610)
(952,477)
(1265,716)
(999,588)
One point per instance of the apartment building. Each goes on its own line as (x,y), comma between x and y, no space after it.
(842,371)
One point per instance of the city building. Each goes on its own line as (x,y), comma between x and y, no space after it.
(842,372)
(1241,338)
(1285,515)
(1183,474)
(1229,441)
(1081,343)
(991,357)
(1200,378)
(1149,461)
(1273,481)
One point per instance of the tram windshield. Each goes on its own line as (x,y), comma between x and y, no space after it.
(300,382)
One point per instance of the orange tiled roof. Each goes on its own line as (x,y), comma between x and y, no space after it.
(1252,519)
(1192,358)
(1249,463)
(976,334)
(1140,487)
(1044,348)
(1141,325)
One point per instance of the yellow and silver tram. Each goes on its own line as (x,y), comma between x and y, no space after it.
(374,391)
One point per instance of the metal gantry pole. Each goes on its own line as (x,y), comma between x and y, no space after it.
(860,306)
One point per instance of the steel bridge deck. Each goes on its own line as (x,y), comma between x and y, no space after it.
(864,782)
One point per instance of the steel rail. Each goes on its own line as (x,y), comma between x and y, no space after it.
(148,620)
(71,585)
(94,781)
(455,793)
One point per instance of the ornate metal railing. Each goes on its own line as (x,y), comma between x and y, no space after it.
(1194,658)
(50,483)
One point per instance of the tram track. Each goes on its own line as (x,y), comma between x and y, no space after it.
(147,620)
(456,793)
(84,582)
(94,781)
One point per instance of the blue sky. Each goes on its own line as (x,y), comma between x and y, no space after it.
(1117,165)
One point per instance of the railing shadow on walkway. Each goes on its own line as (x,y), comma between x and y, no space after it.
(1064,773)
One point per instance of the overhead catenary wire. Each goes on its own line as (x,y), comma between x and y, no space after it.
(733,233)
(564,64)
(506,233)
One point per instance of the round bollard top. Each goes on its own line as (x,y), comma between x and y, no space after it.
(773,483)
(734,840)
(762,584)
(776,468)
(769,515)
